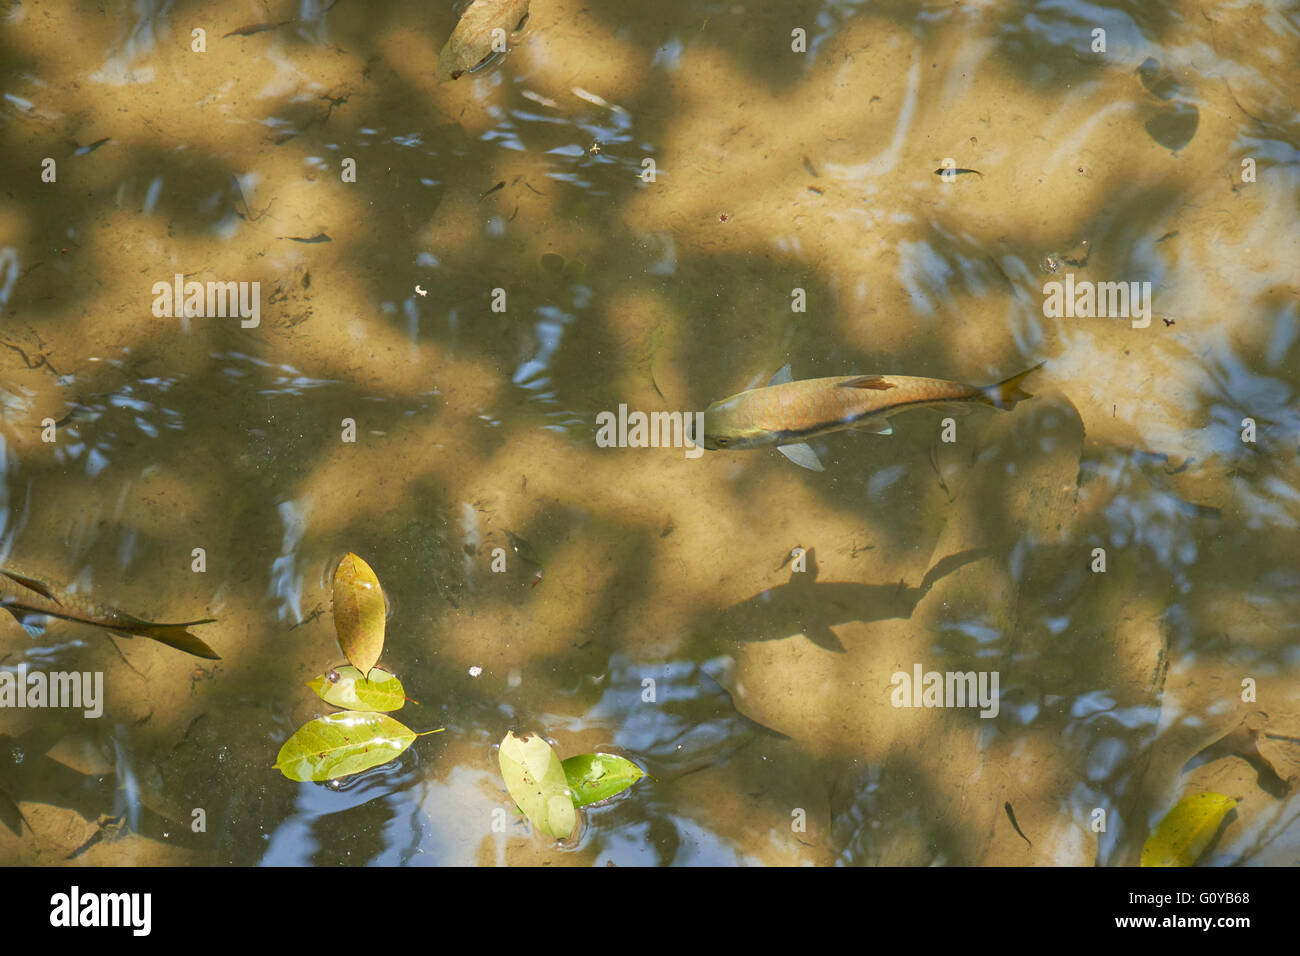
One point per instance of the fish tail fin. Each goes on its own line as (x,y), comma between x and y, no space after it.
(173,635)
(1007,393)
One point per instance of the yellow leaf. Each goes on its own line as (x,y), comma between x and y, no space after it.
(359,612)
(1186,830)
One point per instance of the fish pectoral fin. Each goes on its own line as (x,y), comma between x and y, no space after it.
(877,426)
(782,375)
(825,638)
(868,381)
(173,635)
(802,455)
(32,585)
(21,616)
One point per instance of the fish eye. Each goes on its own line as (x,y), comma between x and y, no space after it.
(721,441)
(333,677)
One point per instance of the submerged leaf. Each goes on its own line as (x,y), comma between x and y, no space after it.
(1186,830)
(358,612)
(535,778)
(1174,125)
(345,687)
(482,31)
(341,744)
(596,777)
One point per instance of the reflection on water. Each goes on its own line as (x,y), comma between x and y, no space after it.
(653,208)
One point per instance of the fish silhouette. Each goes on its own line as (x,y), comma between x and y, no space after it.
(27,597)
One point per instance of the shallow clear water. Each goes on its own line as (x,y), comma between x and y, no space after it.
(501,271)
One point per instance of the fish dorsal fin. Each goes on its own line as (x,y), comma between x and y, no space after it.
(31,584)
(868,381)
(782,375)
(802,455)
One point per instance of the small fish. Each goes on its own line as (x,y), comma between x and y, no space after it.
(83,150)
(25,597)
(785,413)
(1011,815)
(255,28)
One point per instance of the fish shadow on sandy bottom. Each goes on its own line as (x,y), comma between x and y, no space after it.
(806,606)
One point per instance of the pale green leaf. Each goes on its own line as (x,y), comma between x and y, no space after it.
(535,778)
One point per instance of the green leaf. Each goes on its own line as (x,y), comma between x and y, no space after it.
(1186,830)
(596,777)
(535,778)
(347,688)
(359,612)
(338,745)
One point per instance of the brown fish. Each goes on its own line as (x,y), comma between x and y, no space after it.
(24,597)
(786,413)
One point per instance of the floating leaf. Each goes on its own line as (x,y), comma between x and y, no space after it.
(358,612)
(345,687)
(535,778)
(596,777)
(1186,830)
(341,744)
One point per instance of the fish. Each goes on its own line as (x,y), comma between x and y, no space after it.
(25,597)
(1011,815)
(786,413)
